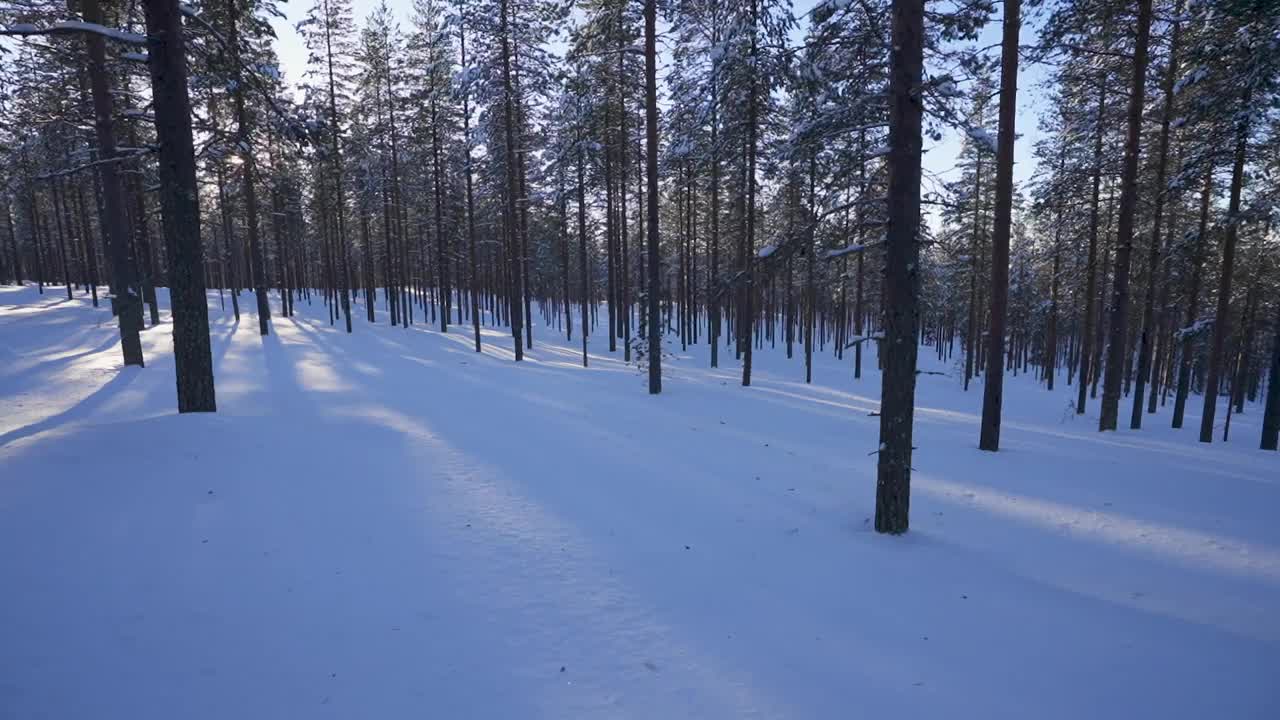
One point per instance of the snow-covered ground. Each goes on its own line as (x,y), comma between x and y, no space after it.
(388,525)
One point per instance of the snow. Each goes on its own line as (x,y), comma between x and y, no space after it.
(135,56)
(766,251)
(1195,328)
(466,76)
(859,339)
(982,136)
(856,247)
(946,87)
(111,33)
(1191,78)
(387,524)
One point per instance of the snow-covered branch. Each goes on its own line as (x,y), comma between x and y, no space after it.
(74,27)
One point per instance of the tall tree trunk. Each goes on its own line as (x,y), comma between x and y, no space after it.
(610,252)
(248,170)
(1051,333)
(180,211)
(1193,303)
(61,211)
(1160,326)
(1271,415)
(437,182)
(1119,325)
(749,236)
(1149,325)
(582,250)
(993,389)
(230,260)
(146,262)
(859,311)
(511,218)
(901,276)
(713,310)
(339,190)
(810,293)
(125,293)
(471,207)
(1222,317)
(624,274)
(13,243)
(562,201)
(1091,291)
(651,163)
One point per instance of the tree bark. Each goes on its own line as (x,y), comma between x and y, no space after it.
(1086,336)
(125,293)
(582,250)
(1271,416)
(1193,303)
(749,236)
(651,169)
(471,208)
(1153,262)
(513,187)
(248,170)
(1222,317)
(180,211)
(993,388)
(901,277)
(1118,327)
(339,190)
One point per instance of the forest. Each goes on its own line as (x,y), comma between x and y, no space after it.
(1047,225)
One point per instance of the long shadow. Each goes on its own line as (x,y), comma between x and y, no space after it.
(282,373)
(224,342)
(41,306)
(47,366)
(118,382)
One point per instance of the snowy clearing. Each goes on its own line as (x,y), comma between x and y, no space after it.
(388,525)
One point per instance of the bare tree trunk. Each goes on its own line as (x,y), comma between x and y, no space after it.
(437,181)
(971,332)
(651,162)
(145,256)
(1193,303)
(513,188)
(993,388)
(339,200)
(1222,318)
(749,236)
(1086,335)
(625,267)
(1051,334)
(126,295)
(1149,325)
(582,250)
(901,276)
(13,243)
(249,171)
(179,206)
(713,310)
(1271,416)
(1118,329)
(471,207)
